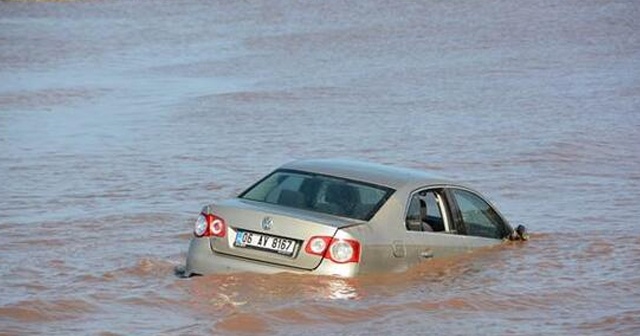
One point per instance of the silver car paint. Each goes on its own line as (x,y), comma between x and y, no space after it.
(387,246)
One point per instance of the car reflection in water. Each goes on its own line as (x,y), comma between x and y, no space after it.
(339,289)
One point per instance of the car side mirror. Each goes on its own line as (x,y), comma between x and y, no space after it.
(520,233)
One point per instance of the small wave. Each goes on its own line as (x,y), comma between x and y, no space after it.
(243,323)
(627,323)
(144,267)
(40,310)
(151,267)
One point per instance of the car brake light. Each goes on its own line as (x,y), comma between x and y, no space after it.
(217,226)
(343,251)
(317,245)
(337,250)
(208,225)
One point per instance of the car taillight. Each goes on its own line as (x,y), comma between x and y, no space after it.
(317,245)
(201,227)
(343,251)
(217,226)
(208,225)
(335,249)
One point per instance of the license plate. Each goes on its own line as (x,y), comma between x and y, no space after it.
(265,242)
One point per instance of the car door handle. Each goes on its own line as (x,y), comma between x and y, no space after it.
(426,254)
(399,251)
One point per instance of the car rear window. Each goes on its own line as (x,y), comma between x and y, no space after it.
(320,193)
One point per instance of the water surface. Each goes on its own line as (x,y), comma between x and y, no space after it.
(120,119)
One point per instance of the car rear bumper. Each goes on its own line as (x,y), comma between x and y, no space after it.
(202,260)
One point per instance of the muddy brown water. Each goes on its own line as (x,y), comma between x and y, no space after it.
(120,119)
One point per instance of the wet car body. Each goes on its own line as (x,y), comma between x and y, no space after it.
(342,217)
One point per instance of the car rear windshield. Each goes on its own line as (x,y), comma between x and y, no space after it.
(320,193)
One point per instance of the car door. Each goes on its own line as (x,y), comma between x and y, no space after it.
(475,217)
(430,228)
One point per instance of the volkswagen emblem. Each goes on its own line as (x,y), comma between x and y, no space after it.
(267,223)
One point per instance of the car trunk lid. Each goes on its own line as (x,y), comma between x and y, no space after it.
(273,233)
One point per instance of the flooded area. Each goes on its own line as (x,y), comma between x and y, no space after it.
(120,119)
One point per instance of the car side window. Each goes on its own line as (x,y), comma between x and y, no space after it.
(424,213)
(479,218)
(413,220)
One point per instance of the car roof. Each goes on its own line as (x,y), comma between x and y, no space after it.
(388,176)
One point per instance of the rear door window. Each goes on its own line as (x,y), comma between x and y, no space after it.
(425,212)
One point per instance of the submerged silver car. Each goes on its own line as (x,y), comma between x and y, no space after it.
(342,217)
